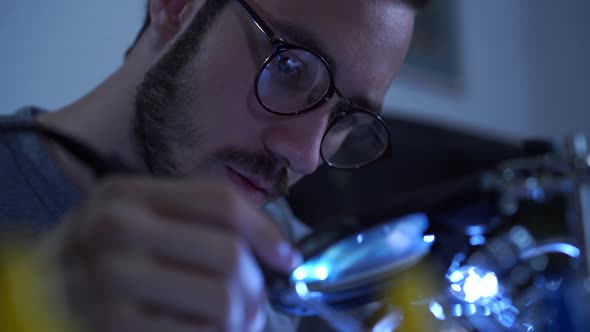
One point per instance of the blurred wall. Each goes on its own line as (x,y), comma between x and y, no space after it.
(525,71)
(53,52)
(524,64)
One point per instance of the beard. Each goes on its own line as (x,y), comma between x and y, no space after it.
(164,127)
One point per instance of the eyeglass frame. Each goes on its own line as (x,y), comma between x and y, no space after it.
(279,45)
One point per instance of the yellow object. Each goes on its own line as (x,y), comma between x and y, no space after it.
(410,292)
(28,300)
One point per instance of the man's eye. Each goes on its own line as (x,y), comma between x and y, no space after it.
(289,66)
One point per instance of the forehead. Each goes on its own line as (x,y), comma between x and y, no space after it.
(366,40)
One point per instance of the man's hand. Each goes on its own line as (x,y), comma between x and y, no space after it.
(167,255)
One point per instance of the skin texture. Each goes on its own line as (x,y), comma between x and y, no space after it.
(164,253)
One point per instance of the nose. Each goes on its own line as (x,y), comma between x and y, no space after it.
(298,139)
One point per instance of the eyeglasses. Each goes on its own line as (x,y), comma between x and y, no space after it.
(294,80)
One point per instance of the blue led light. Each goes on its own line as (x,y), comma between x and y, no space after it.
(477,240)
(437,310)
(359,238)
(321,272)
(429,238)
(474,285)
(311,271)
(301,289)
(300,273)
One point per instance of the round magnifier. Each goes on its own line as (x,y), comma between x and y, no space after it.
(352,270)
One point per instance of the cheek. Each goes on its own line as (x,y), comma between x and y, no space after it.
(227,75)
(226,94)
(232,61)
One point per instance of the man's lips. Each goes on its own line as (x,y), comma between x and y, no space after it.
(249,184)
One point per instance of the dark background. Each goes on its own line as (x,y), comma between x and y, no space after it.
(424,155)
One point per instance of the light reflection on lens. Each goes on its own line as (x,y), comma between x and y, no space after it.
(374,252)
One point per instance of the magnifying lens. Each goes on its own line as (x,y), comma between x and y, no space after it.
(347,266)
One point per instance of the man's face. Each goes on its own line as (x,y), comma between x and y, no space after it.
(203,118)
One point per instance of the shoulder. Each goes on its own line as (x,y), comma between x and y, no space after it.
(11,141)
(23,115)
(31,188)
(15,144)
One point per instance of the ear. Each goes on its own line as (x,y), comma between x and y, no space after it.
(167,16)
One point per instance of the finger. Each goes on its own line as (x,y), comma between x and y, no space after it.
(257,315)
(228,258)
(216,251)
(215,301)
(209,250)
(213,203)
(125,316)
(128,227)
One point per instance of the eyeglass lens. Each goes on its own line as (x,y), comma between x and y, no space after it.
(354,140)
(293,80)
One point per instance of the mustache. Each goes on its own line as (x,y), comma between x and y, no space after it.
(258,164)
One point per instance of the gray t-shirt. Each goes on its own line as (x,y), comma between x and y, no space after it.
(34,194)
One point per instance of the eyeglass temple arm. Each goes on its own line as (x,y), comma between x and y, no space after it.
(266,30)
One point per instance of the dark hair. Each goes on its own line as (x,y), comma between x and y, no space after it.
(416,4)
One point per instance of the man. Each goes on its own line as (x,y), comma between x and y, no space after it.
(227,103)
